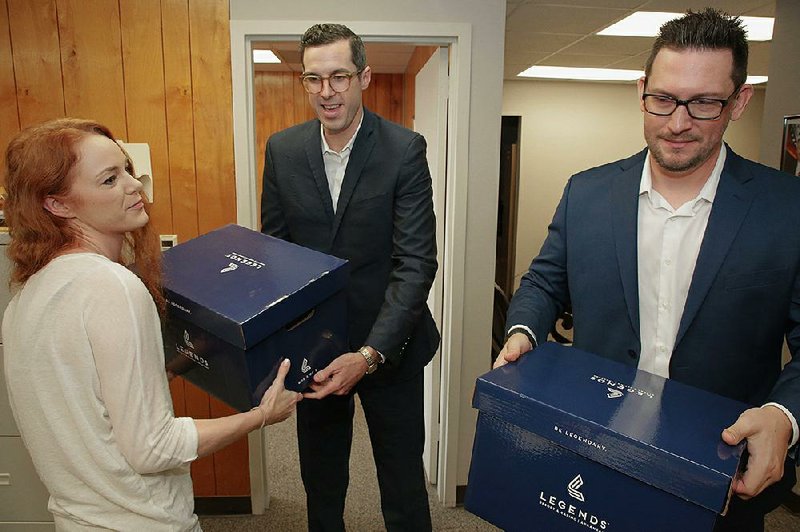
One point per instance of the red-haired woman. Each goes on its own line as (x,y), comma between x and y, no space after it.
(84,360)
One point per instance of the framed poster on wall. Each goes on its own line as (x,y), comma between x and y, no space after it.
(790,160)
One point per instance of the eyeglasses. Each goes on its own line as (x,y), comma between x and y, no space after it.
(698,108)
(338,82)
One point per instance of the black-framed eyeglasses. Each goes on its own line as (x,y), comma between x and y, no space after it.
(698,108)
(339,82)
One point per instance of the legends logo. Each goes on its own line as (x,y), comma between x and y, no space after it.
(574,488)
(229,268)
(569,510)
(615,389)
(189,353)
(305,368)
(247,261)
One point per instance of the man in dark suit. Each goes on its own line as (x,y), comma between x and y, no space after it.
(356,186)
(685,259)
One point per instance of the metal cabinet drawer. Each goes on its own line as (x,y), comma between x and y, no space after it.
(32,526)
(7,425)
(23,497)
(5,273)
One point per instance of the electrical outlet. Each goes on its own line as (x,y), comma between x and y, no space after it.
(168,241)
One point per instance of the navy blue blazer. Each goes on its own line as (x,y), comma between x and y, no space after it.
(744,296)
(384,225)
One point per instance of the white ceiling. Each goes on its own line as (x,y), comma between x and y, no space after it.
(561,33)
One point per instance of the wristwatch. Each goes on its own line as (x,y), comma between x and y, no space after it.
(372,360)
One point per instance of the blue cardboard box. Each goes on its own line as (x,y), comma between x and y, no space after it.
(567,440)
(239,302)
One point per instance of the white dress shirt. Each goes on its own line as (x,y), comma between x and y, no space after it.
(336,162)
(669,241)
(668,244)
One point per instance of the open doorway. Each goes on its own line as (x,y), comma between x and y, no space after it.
(409,86)
(281,102)
(456,38)
(506,249)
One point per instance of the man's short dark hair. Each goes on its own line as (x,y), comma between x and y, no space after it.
(709,29)
(321,34)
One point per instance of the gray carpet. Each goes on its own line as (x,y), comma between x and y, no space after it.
(362,512)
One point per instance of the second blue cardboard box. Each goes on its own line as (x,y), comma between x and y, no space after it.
(239,302)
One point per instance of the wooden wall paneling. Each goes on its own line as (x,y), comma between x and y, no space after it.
(231,463)
(198,406)
(213,133)
(369,97)
(9,117)
(178,394)
(37,60)
(274,94)
(286,102)
(300,107)
(396,98)
(383,94)
(209,29)
(91,61)
(145,103)
(302,110)
(179,116)
(180,149)
(265,84)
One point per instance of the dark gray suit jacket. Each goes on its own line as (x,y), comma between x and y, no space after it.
(384,225)
(743,299)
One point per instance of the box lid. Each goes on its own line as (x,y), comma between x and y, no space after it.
(659,431)
(242,285)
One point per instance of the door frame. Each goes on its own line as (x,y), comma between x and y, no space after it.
(434,123)
(458,37)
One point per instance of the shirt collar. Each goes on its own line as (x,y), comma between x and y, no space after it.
(709,190)
(348,146)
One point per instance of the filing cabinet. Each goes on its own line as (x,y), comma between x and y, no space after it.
(23,497)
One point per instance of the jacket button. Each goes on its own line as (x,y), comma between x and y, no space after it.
(631,353)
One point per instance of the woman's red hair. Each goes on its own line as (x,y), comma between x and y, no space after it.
(39,162)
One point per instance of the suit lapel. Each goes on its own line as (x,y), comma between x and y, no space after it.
(362,148)
(731,204)
(625,222)
(313,148)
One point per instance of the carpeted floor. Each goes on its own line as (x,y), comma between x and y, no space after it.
(362,513)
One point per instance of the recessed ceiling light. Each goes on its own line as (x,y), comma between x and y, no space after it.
(647,24)
(598,74)
(594,74)
(265,56)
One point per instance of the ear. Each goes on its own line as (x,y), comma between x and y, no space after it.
(365,78)
(745,93)
(640,89)
(57,207)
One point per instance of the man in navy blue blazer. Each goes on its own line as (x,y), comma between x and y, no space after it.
(356,186)
(684,259)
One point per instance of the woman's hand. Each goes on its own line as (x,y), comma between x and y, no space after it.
(278,403)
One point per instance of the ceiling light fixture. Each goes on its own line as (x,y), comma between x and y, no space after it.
(598,74)
(647,24)
(592,74)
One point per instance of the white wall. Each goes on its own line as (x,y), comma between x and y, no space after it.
(571,126)
(783,95)
(487,20)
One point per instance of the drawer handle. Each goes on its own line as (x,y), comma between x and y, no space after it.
(5,479)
